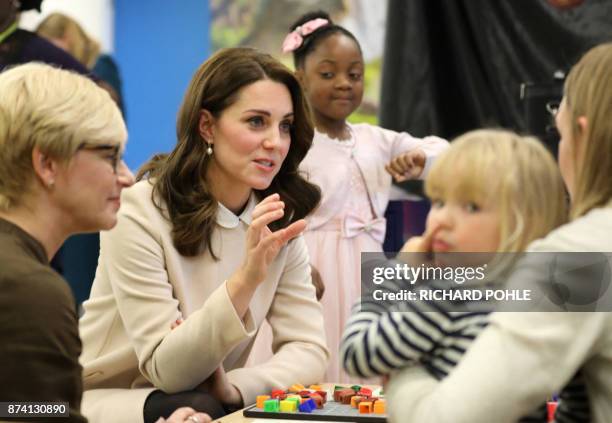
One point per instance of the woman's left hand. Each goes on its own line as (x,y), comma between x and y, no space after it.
(407,166)
(220,387)
(217,384)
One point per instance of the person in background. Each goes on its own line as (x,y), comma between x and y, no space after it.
(61,173)
(211,235)
(522,357)
(19,46)
(348,162)
(66,33)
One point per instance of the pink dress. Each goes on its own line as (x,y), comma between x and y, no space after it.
(349,220)
(336,253)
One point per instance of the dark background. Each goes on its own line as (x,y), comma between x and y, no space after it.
(455,65)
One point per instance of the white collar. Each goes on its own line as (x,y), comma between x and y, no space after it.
(227,219)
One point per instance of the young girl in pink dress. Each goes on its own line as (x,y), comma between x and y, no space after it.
(348,162)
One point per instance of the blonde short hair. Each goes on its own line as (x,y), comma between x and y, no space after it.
(588,93)
(517,173)
(54,110)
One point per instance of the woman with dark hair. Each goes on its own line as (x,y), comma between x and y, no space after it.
(210,235)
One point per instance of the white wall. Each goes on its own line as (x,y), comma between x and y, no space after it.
(368,21)
(96,17)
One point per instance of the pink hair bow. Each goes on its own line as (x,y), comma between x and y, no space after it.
(295,38)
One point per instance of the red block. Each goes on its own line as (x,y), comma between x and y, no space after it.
(323,395)
(341,393)
(317,399)
(365,392)
(278,394)
(345,398)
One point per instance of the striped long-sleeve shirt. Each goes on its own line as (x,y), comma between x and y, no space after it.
(381,337)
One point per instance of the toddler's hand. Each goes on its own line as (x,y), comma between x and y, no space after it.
(407,166)
(419,248)
(419,244)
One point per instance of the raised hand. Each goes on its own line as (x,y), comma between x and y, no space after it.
(262,247)
(407,165)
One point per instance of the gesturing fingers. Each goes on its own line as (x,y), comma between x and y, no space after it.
(294,229)
(271,244)
(259,223)
(263,208)
(269,198)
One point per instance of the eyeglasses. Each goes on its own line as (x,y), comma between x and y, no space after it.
(114,157)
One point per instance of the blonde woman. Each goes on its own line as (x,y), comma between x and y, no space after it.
(491,191)
(69,35)
(520,358)
(61,173)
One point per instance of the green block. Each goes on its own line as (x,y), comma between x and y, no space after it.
(271,406)
(337,388)
(356,388)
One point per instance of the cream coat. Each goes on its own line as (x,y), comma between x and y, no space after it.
(143,284)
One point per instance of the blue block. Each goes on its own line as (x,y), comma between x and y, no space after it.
(307,406)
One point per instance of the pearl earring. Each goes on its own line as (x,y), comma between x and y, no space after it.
(209,150)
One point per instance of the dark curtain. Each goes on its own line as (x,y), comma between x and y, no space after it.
(455,65)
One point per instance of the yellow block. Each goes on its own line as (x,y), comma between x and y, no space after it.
(261,399)
(380,406)
(315,387)
(296,388)
(288,406)
(355,401)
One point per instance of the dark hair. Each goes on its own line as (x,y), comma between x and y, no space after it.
(312,40)
(179,178)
